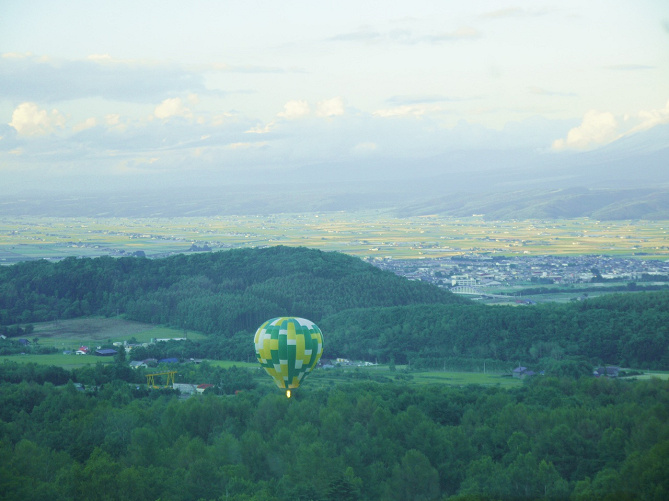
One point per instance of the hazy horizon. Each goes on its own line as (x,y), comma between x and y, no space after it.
(160,95)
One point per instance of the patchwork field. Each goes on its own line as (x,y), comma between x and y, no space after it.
(364,234)
(92,331)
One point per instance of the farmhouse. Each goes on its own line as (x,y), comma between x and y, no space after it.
(185,389)
(608,371)
(522,372)
(105,353)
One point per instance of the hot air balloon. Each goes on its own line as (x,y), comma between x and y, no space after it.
(288,348)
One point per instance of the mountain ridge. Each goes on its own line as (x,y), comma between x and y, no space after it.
(627,179)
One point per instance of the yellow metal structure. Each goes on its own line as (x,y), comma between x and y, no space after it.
(151,383)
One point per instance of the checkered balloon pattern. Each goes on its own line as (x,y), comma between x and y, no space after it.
(288,348)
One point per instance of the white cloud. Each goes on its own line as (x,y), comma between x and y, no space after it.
(366,147)
(113,121)
(401,111)
(29,120)
(295,109)
(221,119)
(330,107)
(172,107)
(259,129)
(245,146)
(28,77)
(651,118)
(597,128)
(89,123)
(462,33)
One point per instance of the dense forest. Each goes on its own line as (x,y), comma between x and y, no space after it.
(364,312)
(96,432)
(580,439)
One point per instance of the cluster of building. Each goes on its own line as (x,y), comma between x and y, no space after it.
(118,345)
(85,350)
(327,363)
(483,270)
(191,389)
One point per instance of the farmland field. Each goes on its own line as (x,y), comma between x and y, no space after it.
(323,378)
(372,234)
(59,360)
(92,331)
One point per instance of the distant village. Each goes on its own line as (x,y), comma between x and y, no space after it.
(476,270)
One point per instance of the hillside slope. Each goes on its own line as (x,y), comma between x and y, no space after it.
(364,312)
(222,292)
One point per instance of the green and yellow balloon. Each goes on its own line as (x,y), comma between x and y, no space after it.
(288,348)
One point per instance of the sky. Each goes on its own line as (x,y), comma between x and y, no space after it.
(129,93)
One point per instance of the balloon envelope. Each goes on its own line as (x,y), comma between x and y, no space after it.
(288,348)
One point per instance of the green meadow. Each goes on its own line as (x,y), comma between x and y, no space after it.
(95,331)
(67,362)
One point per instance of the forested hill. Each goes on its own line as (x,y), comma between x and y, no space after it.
(217,293)
(365,313)
(631,330)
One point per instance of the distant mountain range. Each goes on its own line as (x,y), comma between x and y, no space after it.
(554,204)
(627,179)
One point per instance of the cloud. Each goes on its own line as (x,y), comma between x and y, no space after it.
(650,118)
(172,107)
(629,67)
(89,123)
(247,145)
(261,129)
(364,34)
(512,12)
(406,37)
(596,129)
(544,92)
(295,109)
(411,100)
(415,110)
(29,120)
(330,107)
(39,79)
(462,33)
(365,147)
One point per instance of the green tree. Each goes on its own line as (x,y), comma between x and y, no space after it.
(414,478)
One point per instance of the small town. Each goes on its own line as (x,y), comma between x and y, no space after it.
(476,270)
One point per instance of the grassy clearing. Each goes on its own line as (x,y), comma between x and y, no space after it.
(329,377)
(226,364)
(651,375)
(59,360)
(93,331)
(465,378)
